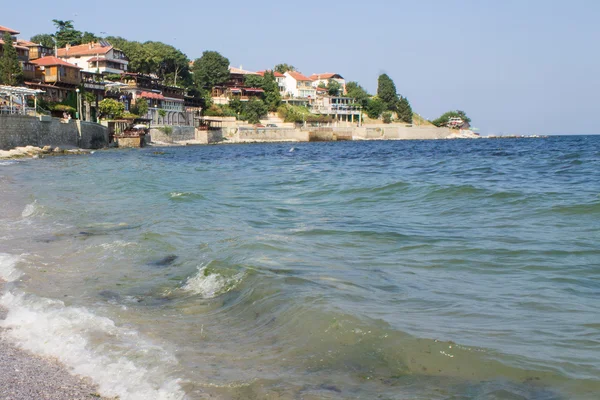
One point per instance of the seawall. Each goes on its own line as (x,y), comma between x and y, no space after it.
(22,130)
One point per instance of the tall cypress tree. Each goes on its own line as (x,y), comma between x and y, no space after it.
(405,112)
(11,72)
(386,91)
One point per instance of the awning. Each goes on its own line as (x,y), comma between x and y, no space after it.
(254,90)
(235,90)
(17,90)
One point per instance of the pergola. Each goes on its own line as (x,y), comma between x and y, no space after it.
(19,92)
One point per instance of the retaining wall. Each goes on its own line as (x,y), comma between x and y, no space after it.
(271,135)
(22,130)
(177,134)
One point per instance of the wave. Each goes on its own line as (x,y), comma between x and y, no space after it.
(91,346)
(209,283)
(185,196)
(8,270)
(30,209)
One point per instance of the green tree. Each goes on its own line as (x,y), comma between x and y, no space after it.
(44,39)
(405,112)
(271,88)
(283,68)
(334,88)
(357,92)
(66,33)
(210,70)
(89,37)
(254,81)
(236,105)
(111,108)
(443,119)
(11,72)
(386,91)
(141,107)
(375,107)
(254,110)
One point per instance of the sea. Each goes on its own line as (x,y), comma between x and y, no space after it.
(441,269)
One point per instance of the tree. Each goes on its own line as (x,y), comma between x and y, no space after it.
(386,91)
(89,37)
(141,107)
(357,92)
(254,110)
(44,39)
(405,112)
(111,108)
(66,33)
(387,117)
(271,88)
(210,70)
(375,107)
(254,81)
(443,119)
(11,72)
(334,88)
(283,68)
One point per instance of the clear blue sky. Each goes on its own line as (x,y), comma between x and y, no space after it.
(515,66)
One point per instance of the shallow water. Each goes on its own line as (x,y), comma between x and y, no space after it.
(394,270)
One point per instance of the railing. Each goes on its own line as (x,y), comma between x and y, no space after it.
(17,110)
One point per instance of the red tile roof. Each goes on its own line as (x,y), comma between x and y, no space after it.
(15,45)
(51,60)
(298,76)
(26,43)
(326,75)
(275,73)
(11,31)
(89,49)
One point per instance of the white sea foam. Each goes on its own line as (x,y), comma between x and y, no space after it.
(29,209)
(120,361)
(209,284)
(8,272)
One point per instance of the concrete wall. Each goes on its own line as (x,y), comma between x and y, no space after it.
(399,132)
(21,130)
(270,135)
(209,137)
(177,134)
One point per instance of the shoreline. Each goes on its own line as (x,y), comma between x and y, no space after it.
(26,376)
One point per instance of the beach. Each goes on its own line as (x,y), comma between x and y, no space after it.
(25,376)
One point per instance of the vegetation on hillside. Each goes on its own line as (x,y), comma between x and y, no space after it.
(444,118)
(10,70)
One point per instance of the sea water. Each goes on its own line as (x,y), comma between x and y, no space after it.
(466,269)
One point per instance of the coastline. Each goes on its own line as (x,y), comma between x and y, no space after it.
(26,376)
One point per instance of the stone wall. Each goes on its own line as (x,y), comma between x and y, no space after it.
(22,130)
(399,132)
(172,134)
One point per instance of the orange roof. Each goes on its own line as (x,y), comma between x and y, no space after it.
(51,60)
(326,75)
(240,71)
(11,31)
(15,45)
(275,73)
(89,49)
(26,43)
(298,76)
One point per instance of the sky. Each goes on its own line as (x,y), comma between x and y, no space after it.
(514,66)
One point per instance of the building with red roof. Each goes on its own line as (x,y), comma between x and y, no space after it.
(279,78)
(299,86)
(100,57)
(326,78)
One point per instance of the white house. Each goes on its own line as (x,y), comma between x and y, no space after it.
(279,78)
(298,85)
(327,77)
(99,57)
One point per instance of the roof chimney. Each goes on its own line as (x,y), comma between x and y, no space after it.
(67,46)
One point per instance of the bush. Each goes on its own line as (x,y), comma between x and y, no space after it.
(387,117)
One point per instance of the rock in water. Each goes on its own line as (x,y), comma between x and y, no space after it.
(164,262)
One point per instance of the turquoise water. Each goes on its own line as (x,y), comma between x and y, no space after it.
(464,269)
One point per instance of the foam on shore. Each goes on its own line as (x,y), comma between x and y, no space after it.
(88,344)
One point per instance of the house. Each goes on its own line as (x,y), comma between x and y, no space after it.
(325,78)
(235,87)
(279,78)
(298,85)
(343,109)
(22,51)
(100,57)
(56,77)
(36,50)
